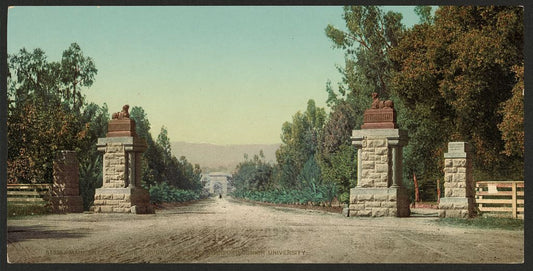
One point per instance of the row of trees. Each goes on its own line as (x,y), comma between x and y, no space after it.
(47,112)
(457,75)
(159,165)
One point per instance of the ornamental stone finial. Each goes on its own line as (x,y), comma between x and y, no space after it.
(124,114)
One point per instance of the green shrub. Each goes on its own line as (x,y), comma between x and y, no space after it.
(165,193)
(315,194)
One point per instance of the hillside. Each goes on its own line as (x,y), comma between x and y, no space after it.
(221,157)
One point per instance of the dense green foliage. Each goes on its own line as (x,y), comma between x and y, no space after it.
(252,174)
(47,113)
(313,194)
(457,75)
(165,193)
(300,139)
(454,74)
(297,177)
(159,165)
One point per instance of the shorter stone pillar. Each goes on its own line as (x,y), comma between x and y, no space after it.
(65,195)
(458,200)
(121,191)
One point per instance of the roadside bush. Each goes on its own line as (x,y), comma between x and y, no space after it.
(165,193)
(313,194)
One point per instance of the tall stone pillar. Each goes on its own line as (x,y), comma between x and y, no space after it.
(458,200)
(65,194)
(379,190)
(121,191)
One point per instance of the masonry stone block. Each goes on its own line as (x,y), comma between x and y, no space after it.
(381,151)
(389,204)
(368,164)
(364,213)
(118,196)
(459,177)
(382,168)
(449,185)
(377,212)
(450,170)
(459,162)
(106,209)
(458,192)
(373,204)
(379,142)
(107,196)
(367,183)
(365,197)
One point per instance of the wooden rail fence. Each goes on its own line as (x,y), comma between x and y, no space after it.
(501,198)
(28,194)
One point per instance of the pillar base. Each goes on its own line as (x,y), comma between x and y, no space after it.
(460,207)
(376,202)
(122,200)
(66,204)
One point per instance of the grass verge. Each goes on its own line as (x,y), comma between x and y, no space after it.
(481,222)
(26,210)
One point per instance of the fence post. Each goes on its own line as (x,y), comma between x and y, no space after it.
(514,199)
(478,189)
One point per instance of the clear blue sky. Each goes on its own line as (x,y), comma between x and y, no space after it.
(222,75)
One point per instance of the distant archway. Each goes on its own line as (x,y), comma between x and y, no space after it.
(218,183)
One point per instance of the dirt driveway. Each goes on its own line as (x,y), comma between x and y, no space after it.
(226,231)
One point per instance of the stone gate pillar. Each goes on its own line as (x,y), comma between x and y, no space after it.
(65,194)
(121,191)
(379,190)
(458,200)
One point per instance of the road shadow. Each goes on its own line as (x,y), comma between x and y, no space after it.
(21,233)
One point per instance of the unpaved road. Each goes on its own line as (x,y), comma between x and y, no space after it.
(226,231)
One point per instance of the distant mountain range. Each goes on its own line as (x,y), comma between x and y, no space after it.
(222,158)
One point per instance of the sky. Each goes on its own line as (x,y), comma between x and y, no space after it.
(220,75)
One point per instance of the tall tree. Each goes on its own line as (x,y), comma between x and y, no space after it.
(299,141)
(367,39)
(164,141)
(457,72)
(370,34)
(159,166)
(39,122)
(77,71)
(252,174)
(512,125)
(336,154)
(153,165)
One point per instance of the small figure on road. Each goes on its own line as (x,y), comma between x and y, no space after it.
(219,196)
